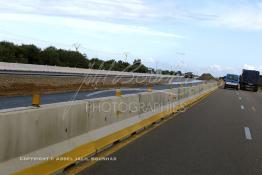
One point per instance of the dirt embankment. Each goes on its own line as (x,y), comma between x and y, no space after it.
(13,85)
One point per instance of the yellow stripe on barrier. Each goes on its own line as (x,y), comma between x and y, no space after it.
(56,165)
(52,166)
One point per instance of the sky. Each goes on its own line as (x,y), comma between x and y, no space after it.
(215,36)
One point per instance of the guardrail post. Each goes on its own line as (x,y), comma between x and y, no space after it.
(36,100)
(149,88)
(118,92)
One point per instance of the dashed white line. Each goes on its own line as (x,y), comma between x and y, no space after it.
(247,133)
(240,98)
(242,107)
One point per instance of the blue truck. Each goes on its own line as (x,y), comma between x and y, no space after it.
(249,80)
(231,81)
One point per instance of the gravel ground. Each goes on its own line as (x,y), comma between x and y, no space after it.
(16,85)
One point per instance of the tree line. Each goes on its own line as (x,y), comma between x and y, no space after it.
(31,54)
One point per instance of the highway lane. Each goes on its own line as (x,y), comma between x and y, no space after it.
(25,101)
(216,136)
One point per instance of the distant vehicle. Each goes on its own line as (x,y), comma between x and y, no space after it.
(231,81)
(178,73)
(249,80)
(189,75)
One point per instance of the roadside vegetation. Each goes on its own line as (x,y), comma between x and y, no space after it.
(31,54)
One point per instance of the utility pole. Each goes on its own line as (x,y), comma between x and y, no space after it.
(126,55)
(156,66)
(76,46)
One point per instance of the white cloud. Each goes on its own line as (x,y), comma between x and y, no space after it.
(252,67)
(103,9)
(233,14)
(97,15)
(148,60)
(84,25)
(246,17)
(219,70)
(249,67)
(216,67)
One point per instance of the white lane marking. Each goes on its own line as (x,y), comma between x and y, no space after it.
(242,107)
(247,133)
(240,98)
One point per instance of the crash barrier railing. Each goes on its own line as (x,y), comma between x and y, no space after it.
(48,139)
(36,97)
(16,67)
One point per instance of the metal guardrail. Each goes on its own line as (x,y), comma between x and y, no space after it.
(55,74)
(31,69)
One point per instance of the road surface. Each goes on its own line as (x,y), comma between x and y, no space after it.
(221,135)
(24,101)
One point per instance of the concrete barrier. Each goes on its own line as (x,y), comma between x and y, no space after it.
(56,129)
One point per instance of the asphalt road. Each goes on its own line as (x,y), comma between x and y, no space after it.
(25,101)
(221,135)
